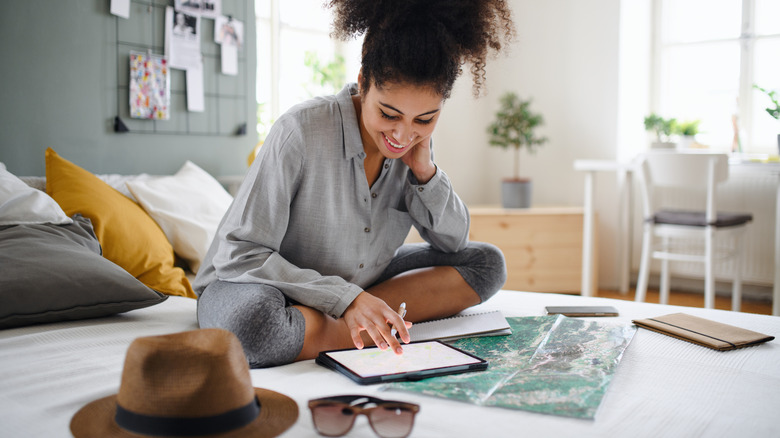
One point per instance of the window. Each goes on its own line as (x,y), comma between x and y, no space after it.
(296,58)
(708,55)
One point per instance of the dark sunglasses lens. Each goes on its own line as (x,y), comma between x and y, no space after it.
(392,422)
(332,420)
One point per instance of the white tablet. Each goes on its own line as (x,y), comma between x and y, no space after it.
(420,360)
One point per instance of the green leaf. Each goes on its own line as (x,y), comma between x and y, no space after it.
(514,126)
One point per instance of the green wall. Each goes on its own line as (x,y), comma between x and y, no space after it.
(59,70)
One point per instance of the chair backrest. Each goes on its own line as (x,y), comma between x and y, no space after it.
(684,170)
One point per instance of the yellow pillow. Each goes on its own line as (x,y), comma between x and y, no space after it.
(129,237)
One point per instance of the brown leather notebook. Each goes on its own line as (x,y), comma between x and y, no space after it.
(703,332)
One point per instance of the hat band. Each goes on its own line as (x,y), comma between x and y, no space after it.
(183,426)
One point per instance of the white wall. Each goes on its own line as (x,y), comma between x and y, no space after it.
(567,58)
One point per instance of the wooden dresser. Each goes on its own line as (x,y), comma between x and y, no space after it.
(542,245)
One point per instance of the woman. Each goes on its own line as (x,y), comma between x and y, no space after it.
(310,256)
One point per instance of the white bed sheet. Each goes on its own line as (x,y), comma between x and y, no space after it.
(662,387)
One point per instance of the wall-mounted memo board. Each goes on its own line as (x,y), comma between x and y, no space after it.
(226,97)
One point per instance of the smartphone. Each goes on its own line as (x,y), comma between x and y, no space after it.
(582,310)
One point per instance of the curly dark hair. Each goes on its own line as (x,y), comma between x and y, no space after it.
(423,42)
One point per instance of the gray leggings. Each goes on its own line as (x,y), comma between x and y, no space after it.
(271,330)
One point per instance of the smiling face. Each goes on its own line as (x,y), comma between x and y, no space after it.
(396,117)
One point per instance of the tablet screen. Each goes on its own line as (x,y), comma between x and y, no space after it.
(417,357)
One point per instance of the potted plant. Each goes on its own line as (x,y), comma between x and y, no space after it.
(773,111)
(513,127)
(663,130)
(687,131)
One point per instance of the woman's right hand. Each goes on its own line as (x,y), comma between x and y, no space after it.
(372,314)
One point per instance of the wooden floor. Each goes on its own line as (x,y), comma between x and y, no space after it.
(693,300)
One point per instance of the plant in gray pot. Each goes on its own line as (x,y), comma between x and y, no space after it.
(513,127)
(773,111)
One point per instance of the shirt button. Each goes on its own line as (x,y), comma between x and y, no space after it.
(387,166)
(373,195)
(361,266)
(366,229)
(420,189)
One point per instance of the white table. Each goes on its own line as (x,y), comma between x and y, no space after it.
(772,168)
(776,285)
(590,167)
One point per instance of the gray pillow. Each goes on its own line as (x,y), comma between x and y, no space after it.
(54,273)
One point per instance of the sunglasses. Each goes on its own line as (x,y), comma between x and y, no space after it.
(334,416)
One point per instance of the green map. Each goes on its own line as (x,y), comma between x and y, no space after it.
(549,364)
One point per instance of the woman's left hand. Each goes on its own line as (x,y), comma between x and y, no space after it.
(419,160)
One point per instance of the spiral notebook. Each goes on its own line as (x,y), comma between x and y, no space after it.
(464,325)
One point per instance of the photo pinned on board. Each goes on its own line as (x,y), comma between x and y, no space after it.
(203,8)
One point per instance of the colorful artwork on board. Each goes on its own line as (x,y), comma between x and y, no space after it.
(150,87)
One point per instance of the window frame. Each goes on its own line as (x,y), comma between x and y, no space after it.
(273,22)
(746,93)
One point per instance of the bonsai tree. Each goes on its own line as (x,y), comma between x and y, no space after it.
(514,127)
(662,128)
(773,96)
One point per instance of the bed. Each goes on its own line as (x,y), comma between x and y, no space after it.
(662,386)
(58,360)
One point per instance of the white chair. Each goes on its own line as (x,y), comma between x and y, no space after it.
(664,228)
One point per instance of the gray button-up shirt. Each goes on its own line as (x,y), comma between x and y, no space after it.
(306,222)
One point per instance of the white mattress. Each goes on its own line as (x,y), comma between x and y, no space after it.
(663,387)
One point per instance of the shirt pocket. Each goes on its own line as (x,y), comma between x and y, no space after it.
(394,232)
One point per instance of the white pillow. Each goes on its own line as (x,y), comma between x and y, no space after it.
(21,204)
(188,206)
(119,182)
(116,181)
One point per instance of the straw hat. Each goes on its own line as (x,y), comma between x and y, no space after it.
(194,383)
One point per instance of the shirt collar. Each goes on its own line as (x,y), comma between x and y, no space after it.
(353,143)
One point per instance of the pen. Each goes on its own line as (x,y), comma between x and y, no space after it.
(402,312)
